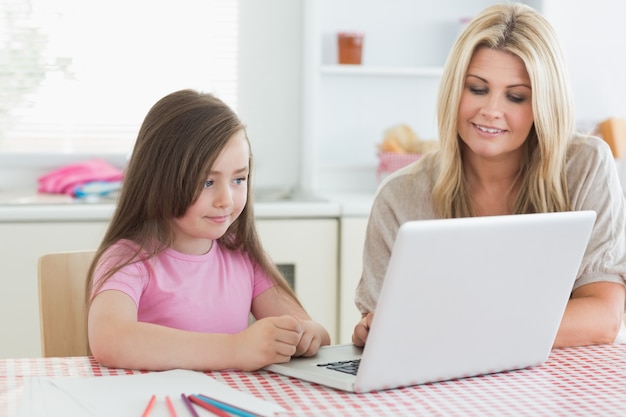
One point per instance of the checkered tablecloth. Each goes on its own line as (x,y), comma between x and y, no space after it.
(585,381)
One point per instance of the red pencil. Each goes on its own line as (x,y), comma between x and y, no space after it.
(170,406)
(209,407)
(149,406)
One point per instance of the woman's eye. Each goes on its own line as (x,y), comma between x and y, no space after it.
(478,91)
(208,183)
(516,99)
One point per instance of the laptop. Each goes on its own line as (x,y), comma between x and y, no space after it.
(461,297)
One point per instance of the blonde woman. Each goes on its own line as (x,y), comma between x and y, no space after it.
(508,146)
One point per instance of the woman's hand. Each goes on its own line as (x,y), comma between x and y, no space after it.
(362,329)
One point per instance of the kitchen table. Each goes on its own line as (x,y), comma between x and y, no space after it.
(581,381)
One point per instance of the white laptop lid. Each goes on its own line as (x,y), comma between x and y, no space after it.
(465,297)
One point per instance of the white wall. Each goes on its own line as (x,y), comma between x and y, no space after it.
(594,38)
(270,87)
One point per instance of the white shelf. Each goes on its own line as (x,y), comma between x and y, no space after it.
(366,70)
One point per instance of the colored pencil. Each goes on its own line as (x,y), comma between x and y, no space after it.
(189,405)
(233,409)
(149,406)
(170,406)
(210,407)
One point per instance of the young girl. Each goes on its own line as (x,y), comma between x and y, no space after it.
(181,267)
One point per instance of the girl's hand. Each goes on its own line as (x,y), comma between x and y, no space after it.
(362,329)
(313,336)
(266,341)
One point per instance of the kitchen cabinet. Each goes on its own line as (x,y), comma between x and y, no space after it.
(306,250)
(347,108)
(352,233)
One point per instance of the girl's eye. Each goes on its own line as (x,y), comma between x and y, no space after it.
(240,180)
(208,183)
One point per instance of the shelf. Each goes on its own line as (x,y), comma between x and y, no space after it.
(366,70)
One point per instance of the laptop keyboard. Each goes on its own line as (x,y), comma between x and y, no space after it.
(348,367)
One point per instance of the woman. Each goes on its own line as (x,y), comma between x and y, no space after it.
(508,146)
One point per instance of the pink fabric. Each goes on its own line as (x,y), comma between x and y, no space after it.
(389,162)
(65,179)
(210,293)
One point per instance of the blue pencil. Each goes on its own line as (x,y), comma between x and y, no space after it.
(226,407)
(215,410)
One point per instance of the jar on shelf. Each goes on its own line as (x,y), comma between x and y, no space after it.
(350,47)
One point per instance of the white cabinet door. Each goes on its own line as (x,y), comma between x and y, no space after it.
(351,266)
(21,244)
(309,247)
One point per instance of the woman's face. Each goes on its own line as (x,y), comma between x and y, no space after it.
(221,201)
(495,112)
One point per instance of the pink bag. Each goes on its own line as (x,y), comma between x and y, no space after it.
(66,179)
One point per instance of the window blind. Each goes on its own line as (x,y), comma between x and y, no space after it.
(79,76)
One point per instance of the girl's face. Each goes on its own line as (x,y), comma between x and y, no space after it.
(221,201)
(495,111)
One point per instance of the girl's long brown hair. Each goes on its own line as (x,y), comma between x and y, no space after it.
(178,143)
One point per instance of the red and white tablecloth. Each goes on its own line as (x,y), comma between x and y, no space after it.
(585,381)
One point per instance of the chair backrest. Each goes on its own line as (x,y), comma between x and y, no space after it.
(62,309)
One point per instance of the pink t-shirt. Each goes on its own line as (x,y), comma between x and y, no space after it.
(210,293)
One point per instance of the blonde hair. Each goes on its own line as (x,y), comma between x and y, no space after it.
(519,30)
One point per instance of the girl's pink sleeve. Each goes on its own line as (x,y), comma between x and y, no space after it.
(261,281)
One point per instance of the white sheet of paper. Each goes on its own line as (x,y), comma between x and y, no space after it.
(40,398)
(128,395)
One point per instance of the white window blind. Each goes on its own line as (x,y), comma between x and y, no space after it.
(79,76)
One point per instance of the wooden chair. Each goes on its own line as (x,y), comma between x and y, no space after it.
(62,308)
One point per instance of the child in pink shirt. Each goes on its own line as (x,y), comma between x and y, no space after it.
(181,268)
